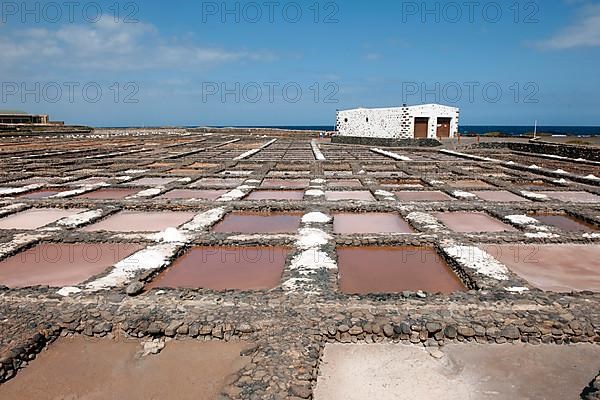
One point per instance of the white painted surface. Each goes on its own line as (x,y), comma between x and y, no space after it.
(394,122)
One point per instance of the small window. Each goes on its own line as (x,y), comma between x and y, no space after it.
(345,119)
(367,119)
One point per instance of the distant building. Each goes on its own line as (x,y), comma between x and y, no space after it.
(427,121)
(22,118)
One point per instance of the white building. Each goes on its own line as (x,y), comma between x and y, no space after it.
(427,121)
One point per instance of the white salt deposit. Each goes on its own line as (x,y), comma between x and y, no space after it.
(170,235)
(254,151)
(316,150)
(205,220)
(533,195)
(312,237)
(68,290)
(148,193)
(540,235)
(474,258)
(316,218)
(428,220)
(463,195)
(151,258)
(314,193)
(384,193)
(391,155)
(80,219)
(522,220)
(18,190)
(312,260)
(517,289)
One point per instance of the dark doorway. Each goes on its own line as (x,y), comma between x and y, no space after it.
(421,125)
(443,127)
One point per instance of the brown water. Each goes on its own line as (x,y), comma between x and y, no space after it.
(151,181)
(201,165)
(225,268)
(108,194)
(36,218)
(259,223)
(132,221)
(565,222)
(472,222)
(404,185)
(193,194)
(338,173)
(276,195)
(364,270)
(423,196)
(362,195)
(344,183)
(346,223)
(532,184)
(61,265)
(183,171)
(556,268)
(498,195)
(575,197)
(470,183)
(286,183)
(101,369)
(218,182)
(39,194)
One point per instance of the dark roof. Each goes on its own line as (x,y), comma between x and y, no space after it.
(12,112)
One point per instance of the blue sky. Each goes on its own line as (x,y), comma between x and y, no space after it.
(295,63)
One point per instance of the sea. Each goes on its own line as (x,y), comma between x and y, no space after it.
(580,131)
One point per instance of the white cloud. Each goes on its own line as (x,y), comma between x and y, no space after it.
(584,32)
(113,46)
(373,56)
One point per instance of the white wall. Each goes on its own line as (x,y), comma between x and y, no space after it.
(394,123)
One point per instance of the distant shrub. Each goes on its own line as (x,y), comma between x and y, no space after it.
(539,134)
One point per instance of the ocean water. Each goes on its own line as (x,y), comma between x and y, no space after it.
(581,131)
(519,130)
(482,129)
(291,127)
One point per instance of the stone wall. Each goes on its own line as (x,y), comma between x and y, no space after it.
(385,142)
(562,150)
